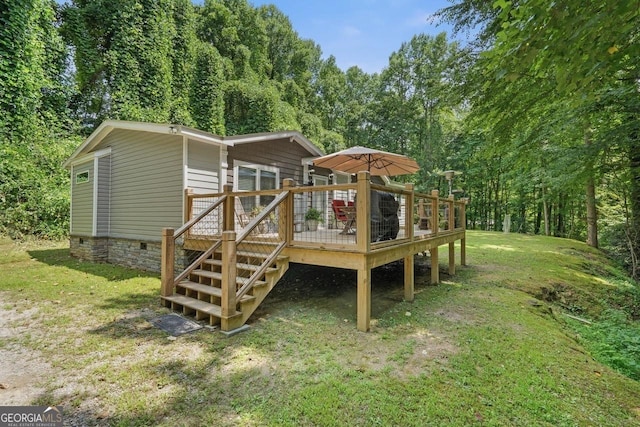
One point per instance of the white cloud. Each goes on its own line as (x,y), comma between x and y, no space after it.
(350,31)
(421,19)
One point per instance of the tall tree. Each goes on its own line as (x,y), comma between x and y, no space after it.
(527,65)
(34,122)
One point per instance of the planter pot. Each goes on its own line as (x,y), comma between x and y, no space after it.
(312,225)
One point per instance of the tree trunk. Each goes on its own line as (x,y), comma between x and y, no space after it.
(592,213)
(634,229)
(560,227)
(592,210)
(545,212)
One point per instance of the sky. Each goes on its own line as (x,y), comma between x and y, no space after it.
(361,32)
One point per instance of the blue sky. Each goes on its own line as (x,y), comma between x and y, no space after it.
(361,32)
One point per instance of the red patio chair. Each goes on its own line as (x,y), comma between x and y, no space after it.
(336,204)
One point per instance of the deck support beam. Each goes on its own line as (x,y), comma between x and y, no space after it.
(167,262)
(435,273)
(229,276)
(463,251)
(409,279)
(364,299)
(452,258)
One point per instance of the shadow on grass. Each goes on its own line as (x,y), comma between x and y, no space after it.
(61,258)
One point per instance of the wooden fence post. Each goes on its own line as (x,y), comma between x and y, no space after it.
(167,260)
(229,277)
(435,212)
(409,279)
(188,204)
(363,212)
(452,226)
(463,241)
(228,220)
(285,219)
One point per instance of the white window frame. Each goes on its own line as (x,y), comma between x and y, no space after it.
(83,181)
(259,169)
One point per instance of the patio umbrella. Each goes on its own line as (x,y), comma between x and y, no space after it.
(356,159)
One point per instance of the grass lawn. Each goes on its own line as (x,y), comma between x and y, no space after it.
(490,346)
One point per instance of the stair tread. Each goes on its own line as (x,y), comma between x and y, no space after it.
(218,276)
(240,265)
(209,290)
(203,306)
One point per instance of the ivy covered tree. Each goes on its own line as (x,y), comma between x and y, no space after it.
(34,124)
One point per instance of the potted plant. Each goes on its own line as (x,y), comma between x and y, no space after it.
(313,217)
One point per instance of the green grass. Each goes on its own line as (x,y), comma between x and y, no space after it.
(489,346)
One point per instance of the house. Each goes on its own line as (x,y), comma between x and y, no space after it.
(130,179)
(223,217)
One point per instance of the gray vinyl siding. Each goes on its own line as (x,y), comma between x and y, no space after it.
(103,203)
(282,154)
(203,167)
(82,201)
(146,183)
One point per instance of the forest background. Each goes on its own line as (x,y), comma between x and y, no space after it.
(540,112)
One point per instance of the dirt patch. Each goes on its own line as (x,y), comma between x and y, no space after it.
(22,371)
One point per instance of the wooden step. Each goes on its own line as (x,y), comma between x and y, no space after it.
(239,266)
(209,290)
(218,276)
(194,304)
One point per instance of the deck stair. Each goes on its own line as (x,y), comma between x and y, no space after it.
(200,293)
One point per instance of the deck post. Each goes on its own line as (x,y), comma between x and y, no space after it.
(452,258)
(188,204)
(363,212)
(435,273)
(435,212)
(167,262)
(285,220)
(463,241)
(408,214)
(364,299)
(409,278)
(229,209)
(452,245)
(229,276)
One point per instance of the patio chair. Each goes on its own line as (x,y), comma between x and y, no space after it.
(337,205)
(424,215)
(346,217)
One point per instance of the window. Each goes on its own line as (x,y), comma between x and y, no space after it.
(248,177)
(82,177)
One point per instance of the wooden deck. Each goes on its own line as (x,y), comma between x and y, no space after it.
(234,241)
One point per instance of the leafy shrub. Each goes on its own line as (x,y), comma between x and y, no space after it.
(614,340)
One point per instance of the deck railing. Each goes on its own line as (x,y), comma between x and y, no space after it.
(420,215)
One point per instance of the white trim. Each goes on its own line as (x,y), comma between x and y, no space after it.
(223,167)
(94,225)
(202,136)
(71,199)
(256,166)
(82,172)
(293,136)
(108,126)
(185,163)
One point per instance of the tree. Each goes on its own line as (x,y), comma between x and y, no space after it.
(34,122)
(526,67)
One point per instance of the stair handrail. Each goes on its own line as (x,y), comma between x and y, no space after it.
(259,272)
(195,264)
(180,231)
(261,216)
(274,254)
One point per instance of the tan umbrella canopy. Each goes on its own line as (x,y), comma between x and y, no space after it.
(356,159)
